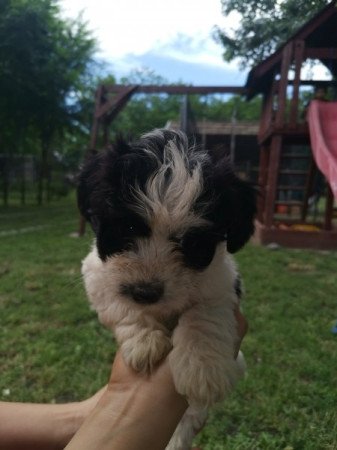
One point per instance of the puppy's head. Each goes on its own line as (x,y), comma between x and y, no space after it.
(160,211)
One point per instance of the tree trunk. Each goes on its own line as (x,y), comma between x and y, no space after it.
(23,181)
(5,185)
(42,171)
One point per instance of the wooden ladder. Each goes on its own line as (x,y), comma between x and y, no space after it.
(299,182)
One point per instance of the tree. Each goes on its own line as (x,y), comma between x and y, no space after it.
(44,63)
(264,25)
(146,111)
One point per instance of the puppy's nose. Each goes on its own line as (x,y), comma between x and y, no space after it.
(147,292)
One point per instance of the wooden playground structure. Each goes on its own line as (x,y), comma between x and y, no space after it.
(288,173)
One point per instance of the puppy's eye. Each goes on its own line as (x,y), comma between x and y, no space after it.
(198,247)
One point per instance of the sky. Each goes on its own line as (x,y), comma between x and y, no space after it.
(173,38)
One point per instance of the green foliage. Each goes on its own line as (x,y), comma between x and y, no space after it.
(147,111)
(218,108)
(263,26)
(44,63)
(54,349)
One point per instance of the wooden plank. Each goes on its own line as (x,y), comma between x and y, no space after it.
(321,240)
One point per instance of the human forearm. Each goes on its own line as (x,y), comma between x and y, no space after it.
(135,413)
(38,426)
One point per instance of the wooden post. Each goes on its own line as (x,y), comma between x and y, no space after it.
(328,208)
(93,144)
(262,181)
(274,162)
(283,84)
(308,187)
(298,56)
(96,122)
(267,112)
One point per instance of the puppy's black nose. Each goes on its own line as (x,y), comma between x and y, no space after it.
(146,292)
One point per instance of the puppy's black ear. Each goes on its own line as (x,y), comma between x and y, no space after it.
(237,205)
(98,180)
(241,224)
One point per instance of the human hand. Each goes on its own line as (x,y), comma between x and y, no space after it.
(137,411)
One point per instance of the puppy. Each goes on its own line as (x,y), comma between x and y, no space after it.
(166,217)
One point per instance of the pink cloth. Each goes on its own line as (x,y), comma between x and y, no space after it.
(322,119)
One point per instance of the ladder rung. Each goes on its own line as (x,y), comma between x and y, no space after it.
(293,172)
(288,202)
(290,188)
(295,156)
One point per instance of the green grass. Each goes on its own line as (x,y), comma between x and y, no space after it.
(52,347)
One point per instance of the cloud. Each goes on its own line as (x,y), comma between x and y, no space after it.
(178,70)
(139,32)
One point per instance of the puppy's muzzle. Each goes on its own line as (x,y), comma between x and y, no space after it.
(144,293)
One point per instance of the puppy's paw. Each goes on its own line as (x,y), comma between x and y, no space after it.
(142,353)
(203,383)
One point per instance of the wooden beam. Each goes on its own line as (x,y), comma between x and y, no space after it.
(298,56)
(321,53)
(308,82)
(114,103)
(179,89)
(316,21)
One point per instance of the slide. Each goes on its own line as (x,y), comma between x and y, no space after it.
(322,119)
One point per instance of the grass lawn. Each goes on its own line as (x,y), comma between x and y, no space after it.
(52,349)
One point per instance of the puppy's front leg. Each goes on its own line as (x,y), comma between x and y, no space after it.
(143,342)
(202,360)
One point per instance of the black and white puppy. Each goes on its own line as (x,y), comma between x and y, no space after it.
(166,217)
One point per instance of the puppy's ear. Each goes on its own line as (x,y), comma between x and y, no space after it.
(98,180)
(237,205)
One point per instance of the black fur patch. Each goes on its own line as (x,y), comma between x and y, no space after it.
(238,287)
(109,178)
